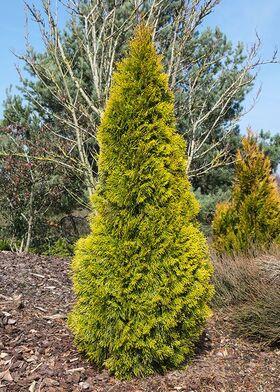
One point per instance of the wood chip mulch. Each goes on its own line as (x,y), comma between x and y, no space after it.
(37,351)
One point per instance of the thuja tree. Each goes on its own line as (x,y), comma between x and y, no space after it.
(252,217)
(142,275)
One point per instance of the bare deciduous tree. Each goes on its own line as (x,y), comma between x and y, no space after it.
(77,69)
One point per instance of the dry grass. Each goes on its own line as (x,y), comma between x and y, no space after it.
(251,286)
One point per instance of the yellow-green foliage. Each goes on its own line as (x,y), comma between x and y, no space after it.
(252,217)
(142,276)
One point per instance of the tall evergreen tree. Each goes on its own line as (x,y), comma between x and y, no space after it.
(252,217)
(142,276)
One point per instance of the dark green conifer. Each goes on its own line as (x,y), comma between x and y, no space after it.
(142,276)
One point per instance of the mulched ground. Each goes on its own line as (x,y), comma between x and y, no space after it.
(37,352)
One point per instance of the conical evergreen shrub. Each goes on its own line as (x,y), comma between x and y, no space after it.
(252,217)
(142,276)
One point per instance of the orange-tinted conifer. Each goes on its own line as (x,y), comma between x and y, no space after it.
(252,217)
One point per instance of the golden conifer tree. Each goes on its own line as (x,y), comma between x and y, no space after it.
(142,276)
(252,217)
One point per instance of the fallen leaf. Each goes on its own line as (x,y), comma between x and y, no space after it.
(11,321)
(7,314)
(33,358)
(84,385)
(32,386)
(50,382)
(6,376)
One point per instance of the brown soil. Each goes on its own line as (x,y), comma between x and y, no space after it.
(37,351)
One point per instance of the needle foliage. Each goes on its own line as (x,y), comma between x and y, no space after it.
(142,276)
(252,217)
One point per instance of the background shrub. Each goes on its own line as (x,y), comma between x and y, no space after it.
(208,203)
(61,247)
(260,317)
(248,286)
(251,219)
(4,245)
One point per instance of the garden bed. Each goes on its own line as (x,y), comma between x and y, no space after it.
(37,351)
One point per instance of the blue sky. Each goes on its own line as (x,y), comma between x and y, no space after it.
(12,38)
(238,19)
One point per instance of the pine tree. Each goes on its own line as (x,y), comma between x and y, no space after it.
(142,276)
(202,81)
(252,217)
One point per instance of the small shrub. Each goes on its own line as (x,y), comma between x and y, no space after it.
(61,248)
(259,318)
(236,278)
(251,219)
(4,245)
(249,287)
